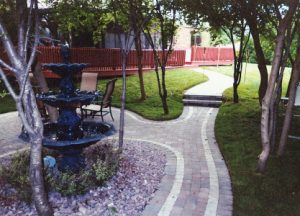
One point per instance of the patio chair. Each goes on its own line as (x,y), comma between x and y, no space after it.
(103,104)
(89,82)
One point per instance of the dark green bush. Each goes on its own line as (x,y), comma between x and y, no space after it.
(17,175)
(101,164)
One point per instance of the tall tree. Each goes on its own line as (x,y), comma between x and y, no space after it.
(293,83)
(166,13)
(122,27)
(253,13)
(135,15)
(266,116)
(226,16)
(290,36)
(137,9)
(292,97)
(19,64)
(79,16)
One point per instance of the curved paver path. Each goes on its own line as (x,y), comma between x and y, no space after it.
(215,86)
(10,127)
(196,180)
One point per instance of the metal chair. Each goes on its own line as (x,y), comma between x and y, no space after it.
(102,103)
(89,82)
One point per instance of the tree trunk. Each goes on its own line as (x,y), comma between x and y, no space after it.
(265,116)
(261,61)
(290,105)
(123,101)
(162,91)
(36,167)
(36,177)
(237,78)
(139,56)
(25,98)
(251,17)
(235,93)
(165,105)
(278,91)
(237,75)
(39,76)
(165,92)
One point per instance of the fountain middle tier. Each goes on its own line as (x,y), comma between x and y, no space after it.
(76,99)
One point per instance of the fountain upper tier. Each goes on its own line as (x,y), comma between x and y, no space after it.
(68,96)
(65,68)
(66,71)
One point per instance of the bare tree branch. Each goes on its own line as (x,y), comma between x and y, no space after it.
(33,52)
(21,112)
(5,65)
(21,6)
(29,19)
(8,85)
(9,47)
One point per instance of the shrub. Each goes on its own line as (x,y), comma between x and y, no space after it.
(101,163)
(17,175)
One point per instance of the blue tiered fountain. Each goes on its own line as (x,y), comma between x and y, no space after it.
(70,135)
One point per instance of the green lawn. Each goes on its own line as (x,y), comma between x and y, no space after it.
(238,133)
(177,80)
(250,75)
(7,104)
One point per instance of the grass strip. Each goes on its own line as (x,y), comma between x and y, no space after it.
(277,192)
(177,80)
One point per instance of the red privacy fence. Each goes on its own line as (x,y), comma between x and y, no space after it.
(212,55)
(105,61)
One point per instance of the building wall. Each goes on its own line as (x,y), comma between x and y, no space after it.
(183,38)
(112,41)
(205,39)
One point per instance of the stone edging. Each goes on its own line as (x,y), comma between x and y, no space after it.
(170,185)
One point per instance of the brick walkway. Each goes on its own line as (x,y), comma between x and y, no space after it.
(196,180)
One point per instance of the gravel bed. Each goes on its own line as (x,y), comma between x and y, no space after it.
(140,171)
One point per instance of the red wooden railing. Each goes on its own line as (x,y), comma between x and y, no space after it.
(107,62)
(106,57)
(103,61)
(211,54)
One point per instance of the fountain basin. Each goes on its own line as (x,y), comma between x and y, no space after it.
(70,158)
(65,69)
(77,99)
(92,132)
